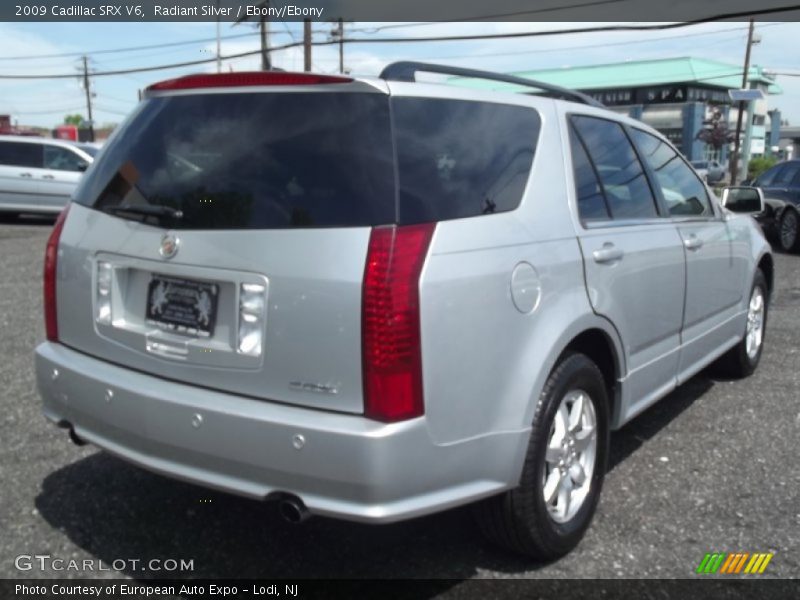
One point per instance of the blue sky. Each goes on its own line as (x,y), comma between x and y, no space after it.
(43,103)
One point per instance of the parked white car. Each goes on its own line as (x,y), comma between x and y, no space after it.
(38,175)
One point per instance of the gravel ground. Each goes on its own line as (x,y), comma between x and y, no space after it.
(713,467)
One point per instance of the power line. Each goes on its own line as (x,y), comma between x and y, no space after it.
(589,46)
(136,48)
(532,11)
(48,112)
(112,111)
(606,28)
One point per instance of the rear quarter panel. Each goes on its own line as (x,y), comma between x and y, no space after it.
(485,362)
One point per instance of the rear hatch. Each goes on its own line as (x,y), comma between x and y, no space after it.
(221,240)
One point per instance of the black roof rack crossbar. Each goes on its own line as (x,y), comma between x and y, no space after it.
(407,70)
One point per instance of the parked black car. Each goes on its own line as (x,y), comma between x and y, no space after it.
(781,219)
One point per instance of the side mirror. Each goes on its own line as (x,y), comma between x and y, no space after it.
(83,166)
(743,199)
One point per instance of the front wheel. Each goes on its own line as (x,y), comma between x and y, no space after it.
(547,514)
(741,360)
(789,231)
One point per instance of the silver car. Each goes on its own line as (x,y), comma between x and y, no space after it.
(39,175)
(375,299)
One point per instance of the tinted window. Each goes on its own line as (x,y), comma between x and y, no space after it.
(62,159)
(461,159)
(624,183)
(767,177)
(20,154)
(786,174)
(591,203)
(683,192)
(243,160)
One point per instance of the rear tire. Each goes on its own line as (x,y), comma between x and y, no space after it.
(789,231)
(565,462)
(741,360)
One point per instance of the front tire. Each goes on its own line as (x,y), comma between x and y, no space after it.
(548,513)
(741,360)
(789,231)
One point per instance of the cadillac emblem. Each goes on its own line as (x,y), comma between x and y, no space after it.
(169,245)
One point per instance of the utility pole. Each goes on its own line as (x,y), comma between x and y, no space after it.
(306,44)
(88,97)
(341,45)
(736,153)
(219,50)
(266,65)
(263,25)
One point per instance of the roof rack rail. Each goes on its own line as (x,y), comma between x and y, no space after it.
(407,70)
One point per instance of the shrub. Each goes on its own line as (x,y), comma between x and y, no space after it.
(758,165)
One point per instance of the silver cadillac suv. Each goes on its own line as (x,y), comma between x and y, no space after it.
(377,298)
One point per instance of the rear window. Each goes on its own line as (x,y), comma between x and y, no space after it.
(303,160)
(239,161)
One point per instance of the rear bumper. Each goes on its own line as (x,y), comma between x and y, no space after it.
(348,467)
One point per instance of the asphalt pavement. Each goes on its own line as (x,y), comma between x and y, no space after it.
(711,468)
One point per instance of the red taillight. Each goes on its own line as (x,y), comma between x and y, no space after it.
(50,264)
(245,79)
(392,357)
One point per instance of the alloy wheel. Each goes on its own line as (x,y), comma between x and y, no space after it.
(754,335)
(570,456)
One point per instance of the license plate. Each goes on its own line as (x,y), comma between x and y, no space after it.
(182,305)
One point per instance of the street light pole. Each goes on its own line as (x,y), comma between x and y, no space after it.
(735,161)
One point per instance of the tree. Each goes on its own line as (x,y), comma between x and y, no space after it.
(75,119)
(715,131)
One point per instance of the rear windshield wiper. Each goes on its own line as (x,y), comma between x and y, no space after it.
(145,210)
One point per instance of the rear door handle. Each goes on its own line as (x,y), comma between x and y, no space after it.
(25,175)
(47,177)
(693,242)
(608,253)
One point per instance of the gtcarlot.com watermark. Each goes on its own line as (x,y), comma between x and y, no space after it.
(46,562)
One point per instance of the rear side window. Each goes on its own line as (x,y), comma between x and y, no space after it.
(683,192)
(621,174)
(591,202)
(244,160)
(461,158)
(20,154)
